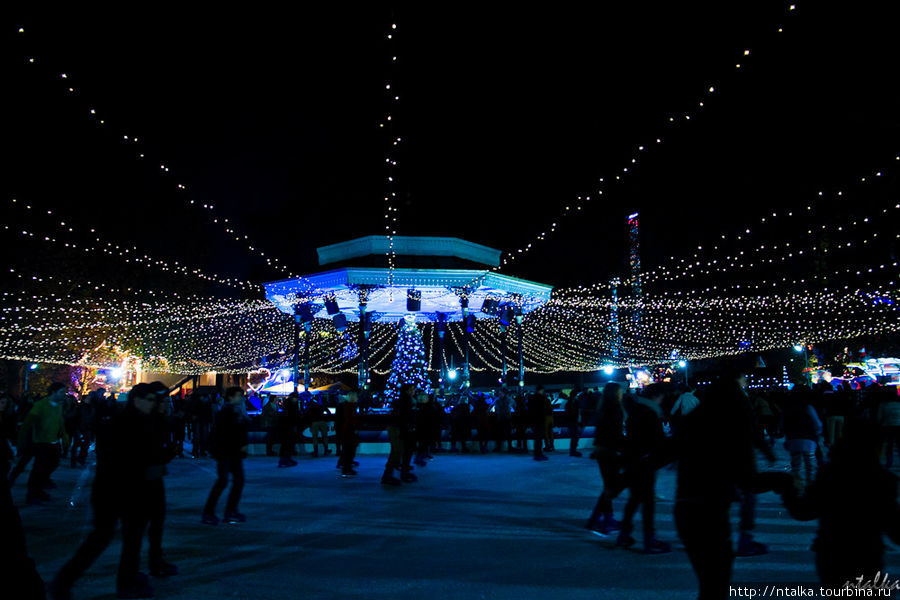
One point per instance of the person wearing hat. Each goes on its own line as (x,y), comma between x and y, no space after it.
(125,449)
(229,448)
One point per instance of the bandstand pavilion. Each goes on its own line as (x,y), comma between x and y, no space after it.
(423,279)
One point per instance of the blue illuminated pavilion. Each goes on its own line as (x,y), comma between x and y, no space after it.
(425,279)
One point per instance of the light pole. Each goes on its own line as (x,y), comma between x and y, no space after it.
(683,364)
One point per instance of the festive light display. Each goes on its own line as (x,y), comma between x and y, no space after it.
(813,209)
(128,254)
(409,366)
(390,216)
(136,148)
(637,152)
(570,333)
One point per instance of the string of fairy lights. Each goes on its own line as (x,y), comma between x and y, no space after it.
(636,154)
(387,122)
(192,334)
(197,336)
(128,254)
(814,206)
(135,147)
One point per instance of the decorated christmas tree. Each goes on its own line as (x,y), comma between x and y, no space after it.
(409,363)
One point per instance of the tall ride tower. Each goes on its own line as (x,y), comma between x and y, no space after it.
(634,263)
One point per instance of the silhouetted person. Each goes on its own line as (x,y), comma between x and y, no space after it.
(318,417)
(348,431)
(520,420)
(802,429)
(460,424)
(644,454)
(481,417)
(162,451)
(573,413)
(715,456)
(428,427)
(18,574)
(855,500)
(609,451)
(503,415)
(747,546)
(401,432)
(120,493)
(229,447)
(268,420)
(82,433)
(888,417)
(7,433)
(288,420)
(537,412)
(42,430)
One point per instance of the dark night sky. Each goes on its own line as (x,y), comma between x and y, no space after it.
(508,113)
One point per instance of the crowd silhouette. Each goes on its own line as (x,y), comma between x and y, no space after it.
(840,442)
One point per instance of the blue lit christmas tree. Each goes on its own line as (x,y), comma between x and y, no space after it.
(409,363)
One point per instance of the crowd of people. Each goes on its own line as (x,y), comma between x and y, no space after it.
(712,436)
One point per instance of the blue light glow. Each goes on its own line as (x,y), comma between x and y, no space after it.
(608,369)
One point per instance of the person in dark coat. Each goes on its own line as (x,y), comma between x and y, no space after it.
(715,451)
(229,448)
(428,427)
(401,431)
(481,417)
(537,412)
(643,456)
(609,451)
(7,433)
(82,435)
(348,431)
(855,500)
(572,413)
(520,420)
(17,570)
(125,448)
(460,424)
(288,421)
(162,451)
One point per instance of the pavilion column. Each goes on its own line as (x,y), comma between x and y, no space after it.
(363,344)
(464,304)
(295,371)
(504,331)
(441,331)
(521,355)
(308,336)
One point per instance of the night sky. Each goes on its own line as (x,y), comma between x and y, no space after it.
(506,113)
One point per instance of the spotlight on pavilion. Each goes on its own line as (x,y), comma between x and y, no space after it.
(413,300)
(331,305)
(489,306)
(451,374)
